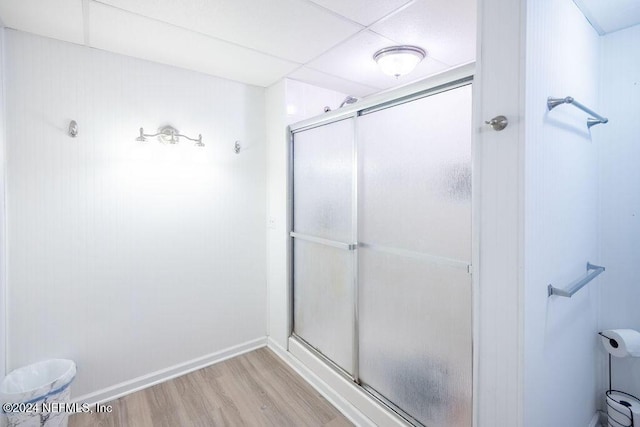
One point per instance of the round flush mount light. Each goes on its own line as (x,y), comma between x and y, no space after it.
(399,60)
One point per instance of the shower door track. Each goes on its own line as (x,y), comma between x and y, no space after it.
(369,391)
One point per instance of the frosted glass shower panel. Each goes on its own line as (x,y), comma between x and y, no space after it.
(421,167)
(322,184)
(324,300)
(414,289)
(415,336)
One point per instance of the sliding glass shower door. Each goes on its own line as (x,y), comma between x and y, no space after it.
(382,252)
(323,249)
(414,252)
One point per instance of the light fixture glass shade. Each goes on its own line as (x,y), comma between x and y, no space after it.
(399,60)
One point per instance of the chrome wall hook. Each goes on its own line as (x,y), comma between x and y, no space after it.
(498,123)
(237,147)
(73,129)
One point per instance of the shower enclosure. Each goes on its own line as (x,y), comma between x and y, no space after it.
(381,249)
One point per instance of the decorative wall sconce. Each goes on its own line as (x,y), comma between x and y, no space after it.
(169,135)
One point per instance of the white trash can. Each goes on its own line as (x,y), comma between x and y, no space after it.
(35,395)
(623,409)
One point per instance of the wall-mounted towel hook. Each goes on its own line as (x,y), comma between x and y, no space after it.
(498,123)
(73,129)
(237,147)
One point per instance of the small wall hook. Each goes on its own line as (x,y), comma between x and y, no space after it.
(498,123)
(73,129)
(237,147)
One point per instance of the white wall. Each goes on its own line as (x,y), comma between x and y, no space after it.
(561,217)
(498,171)
(287,102)
(619,143)
(277,274)
(129,258)
(305,101)
(3,257)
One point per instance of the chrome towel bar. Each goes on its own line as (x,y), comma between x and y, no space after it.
(591,121)
(593,271)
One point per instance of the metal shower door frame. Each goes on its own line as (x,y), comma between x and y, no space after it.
(352,247)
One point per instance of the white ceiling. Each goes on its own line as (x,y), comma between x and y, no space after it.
(328,43)
(607,16)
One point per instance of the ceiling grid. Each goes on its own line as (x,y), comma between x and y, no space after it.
(328,43)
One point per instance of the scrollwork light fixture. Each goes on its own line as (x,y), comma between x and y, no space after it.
(168,135)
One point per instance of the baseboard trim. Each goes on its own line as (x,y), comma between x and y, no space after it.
(114,392)
(343,405)
(356,405)
(598,419)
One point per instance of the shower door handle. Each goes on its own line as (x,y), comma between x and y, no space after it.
(327,242)
(498,123)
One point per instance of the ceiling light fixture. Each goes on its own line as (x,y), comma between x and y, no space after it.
(399,60)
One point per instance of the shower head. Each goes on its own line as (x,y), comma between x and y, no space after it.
(348,100)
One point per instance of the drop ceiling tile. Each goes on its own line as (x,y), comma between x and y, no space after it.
(353,60)
(318,78)
(611,15)
(446,29)
(291,29)
(365,12)
(122,32)
(60,19)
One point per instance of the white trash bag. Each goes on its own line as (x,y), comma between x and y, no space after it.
(38,395)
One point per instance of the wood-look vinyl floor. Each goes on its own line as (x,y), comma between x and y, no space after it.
(254,389)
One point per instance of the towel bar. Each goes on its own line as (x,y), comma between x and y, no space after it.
(592,272)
